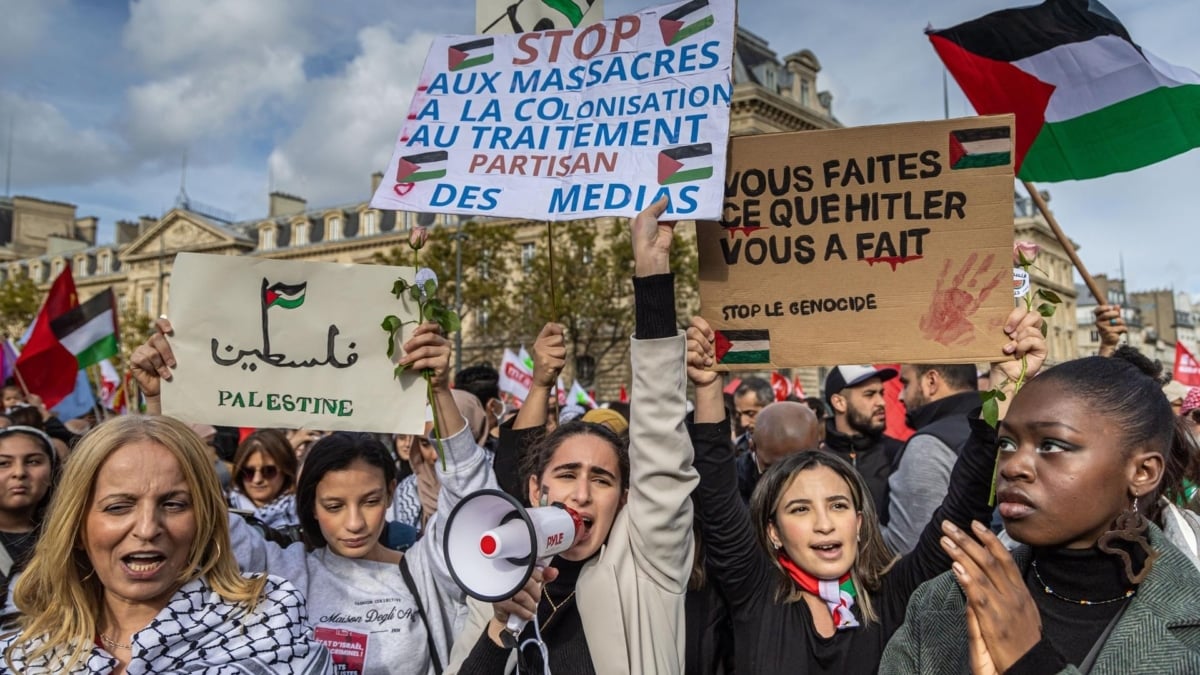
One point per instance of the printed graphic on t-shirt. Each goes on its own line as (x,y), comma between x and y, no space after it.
(348,648)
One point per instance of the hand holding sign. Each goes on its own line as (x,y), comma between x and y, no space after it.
(651,241)
(549,355)
(151,363)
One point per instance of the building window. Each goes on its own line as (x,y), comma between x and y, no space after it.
(334,229)
(769,78)
(81,267)
(370,223)
(105,261)
(148,301)
(528,251)
(56,267)
(122,303)
(804,92)
(266,238)
(484,314)
(35,272)
(300,233)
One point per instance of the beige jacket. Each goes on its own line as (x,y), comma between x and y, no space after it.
(631,595)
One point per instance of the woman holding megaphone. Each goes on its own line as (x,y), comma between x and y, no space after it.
(614,601)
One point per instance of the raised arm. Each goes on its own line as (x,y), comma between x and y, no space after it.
(549,357)
(731,553)
(151,363)
(971,479)
(660,452)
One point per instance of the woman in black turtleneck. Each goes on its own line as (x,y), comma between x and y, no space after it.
(1086,450)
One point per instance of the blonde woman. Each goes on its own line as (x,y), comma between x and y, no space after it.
(134,572)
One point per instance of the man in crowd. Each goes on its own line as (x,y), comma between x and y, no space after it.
(484,382)
(751,396)
(780,429)
(939,399)
(855,432)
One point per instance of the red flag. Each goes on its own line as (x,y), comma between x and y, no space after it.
(797,388)
(732,386)
(1187,369)
(780,385)
(623,397)
(897,424)
(46,367)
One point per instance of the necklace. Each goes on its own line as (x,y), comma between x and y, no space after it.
(111,643)
(553,607)
(1129,593)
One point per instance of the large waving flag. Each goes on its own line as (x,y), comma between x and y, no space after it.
(45,366)
(1089,101)
(519,16)
(89,331)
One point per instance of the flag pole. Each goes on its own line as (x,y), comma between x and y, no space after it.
(1066,243)
(21,380)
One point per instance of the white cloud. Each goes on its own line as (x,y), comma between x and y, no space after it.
(352,120)
(47,149)
(23,26)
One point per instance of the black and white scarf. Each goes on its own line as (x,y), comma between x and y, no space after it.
(199,632)
(279,514)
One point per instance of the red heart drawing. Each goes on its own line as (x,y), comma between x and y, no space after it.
(403,188)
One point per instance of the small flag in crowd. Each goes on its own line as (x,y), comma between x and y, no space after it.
(89,331)
(515,378)
(79,402)
(287,296)
(580,397)
(685,21)
(623,396)
(45,366)
(1089,101)
(425,166)
(470,54)
(743,347)
(780,385)
(1187,369)
(110,383)
(8,360)
(685,164)
(980,148)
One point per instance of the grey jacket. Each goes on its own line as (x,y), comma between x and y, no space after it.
(1159,632)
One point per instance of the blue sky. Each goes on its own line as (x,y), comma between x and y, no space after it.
(306,96)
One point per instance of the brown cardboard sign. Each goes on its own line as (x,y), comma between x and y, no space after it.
(873,244)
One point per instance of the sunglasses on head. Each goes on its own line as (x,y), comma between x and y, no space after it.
(268,472)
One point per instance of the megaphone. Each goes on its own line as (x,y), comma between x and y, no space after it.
(493,543)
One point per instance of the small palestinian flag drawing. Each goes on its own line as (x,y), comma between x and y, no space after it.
(685,21)
(743,347)
(685,164)
(287,296)
(470,54)
(425,166)
(977,148)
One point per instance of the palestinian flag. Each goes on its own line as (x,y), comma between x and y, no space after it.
(685,21)
(1088,100)
(425,166)
(685,164)
(287,296)
(743,347)
(977,148)
(89,331)
(470,54)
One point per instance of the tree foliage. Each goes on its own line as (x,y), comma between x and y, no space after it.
(135,329)
(19,303)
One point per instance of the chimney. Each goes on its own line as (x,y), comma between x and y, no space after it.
(283,204)
(85,229)
(145,223)
(376,179)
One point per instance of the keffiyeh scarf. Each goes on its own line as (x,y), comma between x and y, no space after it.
(278,515)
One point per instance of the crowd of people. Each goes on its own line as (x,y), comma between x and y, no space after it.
(719,533)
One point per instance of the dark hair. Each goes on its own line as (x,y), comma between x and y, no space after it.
(874,557)
(818,406)
(481,380)
(543,450)
(1127,388)
(27,416)
(761,388)
(336,452)
(273,444)
(958,376)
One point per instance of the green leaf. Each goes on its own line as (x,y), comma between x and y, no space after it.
(1049,296)
(1045,329)
(399,370)
(399,287)
(431,312)
(991,412)
(414,292)
(1046,309)
(430,288)
(392,323)
(451,323)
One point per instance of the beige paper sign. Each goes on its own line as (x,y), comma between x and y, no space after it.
(271,343)
(866,245)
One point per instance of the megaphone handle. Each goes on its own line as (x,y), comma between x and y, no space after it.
(515,625)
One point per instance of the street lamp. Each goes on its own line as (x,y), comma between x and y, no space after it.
(459,237)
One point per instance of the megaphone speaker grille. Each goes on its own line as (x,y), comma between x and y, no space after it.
(481,577)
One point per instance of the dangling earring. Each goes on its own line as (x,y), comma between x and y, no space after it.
(1131,526)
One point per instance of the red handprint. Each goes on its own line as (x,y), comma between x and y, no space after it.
(948,320)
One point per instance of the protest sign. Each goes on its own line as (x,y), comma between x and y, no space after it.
(288,344)
(873,244)
(554,125)
(518,16)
